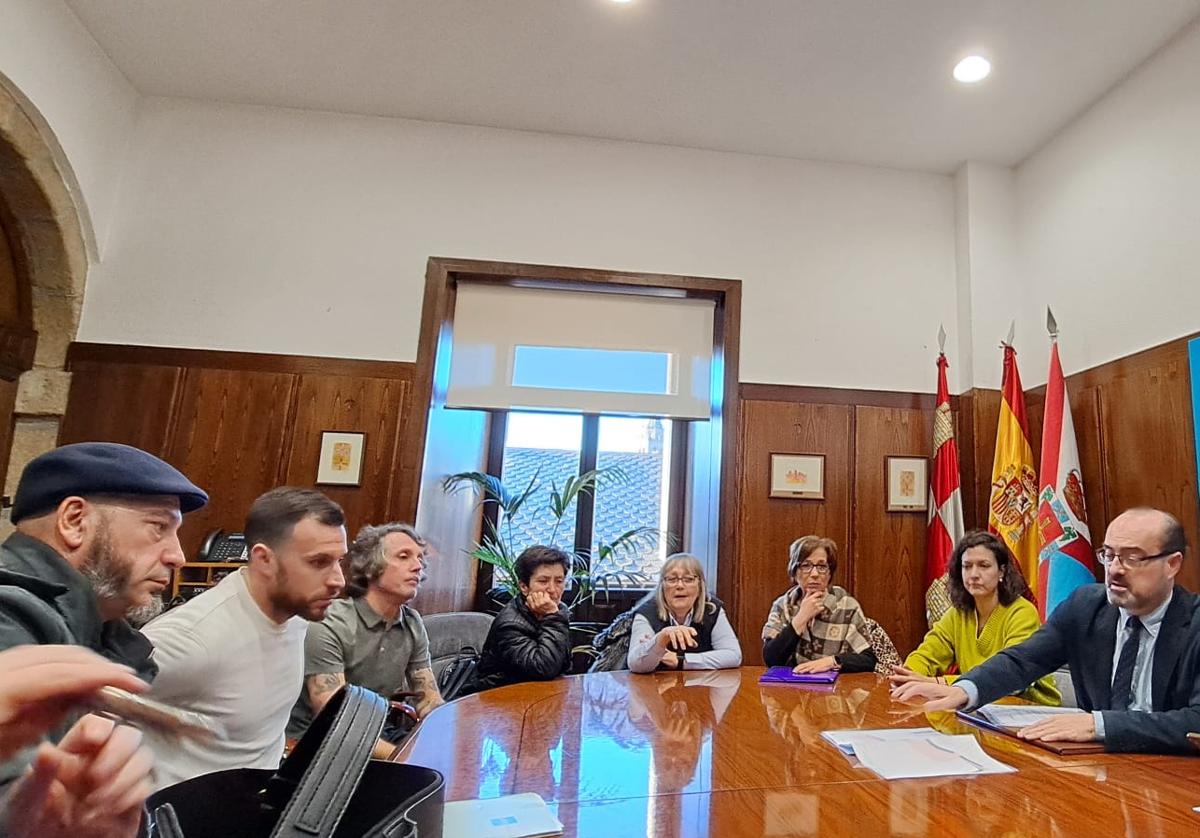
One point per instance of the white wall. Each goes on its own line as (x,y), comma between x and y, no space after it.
(87,102)
(319,225)
(1108,217)
(995,294)
(271,230)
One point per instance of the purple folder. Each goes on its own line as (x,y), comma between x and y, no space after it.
(784,675)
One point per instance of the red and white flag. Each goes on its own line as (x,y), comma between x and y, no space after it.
(1065,558)
(945,492)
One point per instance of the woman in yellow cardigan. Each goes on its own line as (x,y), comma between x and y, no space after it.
(989,614)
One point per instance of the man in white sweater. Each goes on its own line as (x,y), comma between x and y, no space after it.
(236,653)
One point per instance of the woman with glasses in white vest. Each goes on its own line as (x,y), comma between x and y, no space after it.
(679,625)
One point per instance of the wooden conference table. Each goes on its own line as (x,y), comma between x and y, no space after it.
(715,754)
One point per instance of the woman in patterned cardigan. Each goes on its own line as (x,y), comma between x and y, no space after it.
(816,626)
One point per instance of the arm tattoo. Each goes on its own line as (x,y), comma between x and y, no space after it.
(322,687)
(424,682)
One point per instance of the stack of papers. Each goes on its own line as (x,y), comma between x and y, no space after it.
(845,740)
(513,816)
(1021,715)
(897,754)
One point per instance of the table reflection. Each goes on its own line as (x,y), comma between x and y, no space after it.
(715,753)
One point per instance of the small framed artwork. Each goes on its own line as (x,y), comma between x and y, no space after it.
(798,476)
(341,458)
(907,484)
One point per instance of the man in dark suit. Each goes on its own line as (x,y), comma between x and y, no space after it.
(1133,646)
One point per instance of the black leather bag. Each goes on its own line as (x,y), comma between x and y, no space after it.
(458,676)
(329,787)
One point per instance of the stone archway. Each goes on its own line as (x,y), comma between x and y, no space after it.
(51,243)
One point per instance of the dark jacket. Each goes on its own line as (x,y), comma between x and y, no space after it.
(1082,633)
(520,647)
(44,600)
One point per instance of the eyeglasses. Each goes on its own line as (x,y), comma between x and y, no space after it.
(681,580)
(809,567)
(1107,557)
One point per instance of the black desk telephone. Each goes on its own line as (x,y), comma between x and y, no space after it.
(220,546)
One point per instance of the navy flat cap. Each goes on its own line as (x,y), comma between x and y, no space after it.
(99,468)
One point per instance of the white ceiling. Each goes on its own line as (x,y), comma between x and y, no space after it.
(863,81)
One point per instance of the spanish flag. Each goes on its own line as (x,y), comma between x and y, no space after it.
(1012,509)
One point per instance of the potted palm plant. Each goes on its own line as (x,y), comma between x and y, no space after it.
(498,545)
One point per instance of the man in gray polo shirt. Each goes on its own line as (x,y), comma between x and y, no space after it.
(373,638)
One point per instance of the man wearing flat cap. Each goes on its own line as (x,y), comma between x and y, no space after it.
(96,540)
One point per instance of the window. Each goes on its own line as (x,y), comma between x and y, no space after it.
(545,446)
(641,450)
(593,370)
(550,448)
(585,352)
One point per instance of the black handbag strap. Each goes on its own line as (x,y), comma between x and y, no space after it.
(329,762)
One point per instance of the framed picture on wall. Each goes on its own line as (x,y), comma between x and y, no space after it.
(798,476)
(341,458)
(907,484)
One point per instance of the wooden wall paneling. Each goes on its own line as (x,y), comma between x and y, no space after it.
(216,359)
(1035,412)
(836,395)
(1152,358)
(985,406)
(134,404)
(766,525)
(1149,447)
(962,407)
(888,567)
(374,406)
(229,439)
(8,402)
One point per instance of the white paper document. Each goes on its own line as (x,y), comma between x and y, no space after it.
(935,755)
(1021,715)
(514,816)
(845,740)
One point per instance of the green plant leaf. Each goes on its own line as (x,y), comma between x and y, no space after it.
(491,489)
(518,501)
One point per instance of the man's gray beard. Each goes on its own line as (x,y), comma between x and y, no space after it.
(139,615)
(110,579)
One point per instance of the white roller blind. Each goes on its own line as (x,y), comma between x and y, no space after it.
(624,353)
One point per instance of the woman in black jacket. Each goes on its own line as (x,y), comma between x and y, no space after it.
(530,639)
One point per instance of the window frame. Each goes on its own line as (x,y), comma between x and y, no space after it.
(589,451)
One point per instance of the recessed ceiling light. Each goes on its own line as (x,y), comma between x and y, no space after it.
(622,1)
(972,69)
